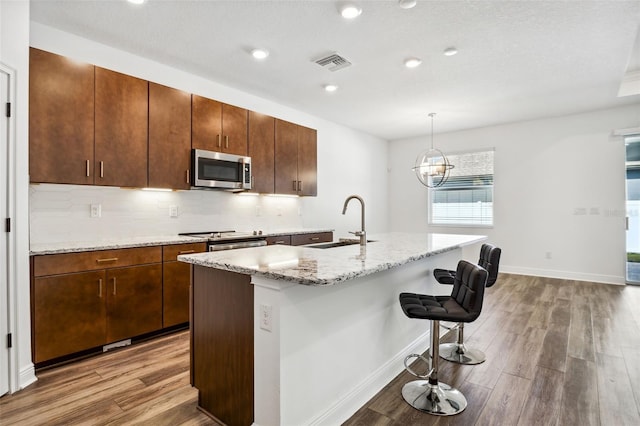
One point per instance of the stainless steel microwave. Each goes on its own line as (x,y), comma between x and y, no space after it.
(219,170)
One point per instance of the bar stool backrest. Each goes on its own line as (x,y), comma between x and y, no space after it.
(468,288)
(489,260)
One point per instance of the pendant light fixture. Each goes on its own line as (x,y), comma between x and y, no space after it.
(432,166)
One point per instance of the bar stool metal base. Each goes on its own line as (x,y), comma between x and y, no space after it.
(460,354)
(440,399)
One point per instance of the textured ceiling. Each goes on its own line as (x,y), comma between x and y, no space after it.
(517,60)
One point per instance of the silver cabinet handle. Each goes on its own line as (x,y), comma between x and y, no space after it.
(299,185)
(186,251)
(102,169)
(100,288)
(188,176)
(295,185)
(314,238)
(219,142)
(279,242)
(114,285)
(88,169)
(226,141)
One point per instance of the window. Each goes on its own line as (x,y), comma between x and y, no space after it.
(467,196)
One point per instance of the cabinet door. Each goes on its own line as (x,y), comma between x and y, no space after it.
(121,129)
(307,161)
(206,124)
(169,137)
(61,102)
(176,278)
(261,151)
(234,130)
(286,158)
(134,301)
(69,314)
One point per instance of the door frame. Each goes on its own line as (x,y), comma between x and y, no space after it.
(10,237)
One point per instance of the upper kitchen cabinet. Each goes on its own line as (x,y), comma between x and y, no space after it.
(121,129)
(218,127)
(295,159)
(61,104)
(261,151)
(169,137)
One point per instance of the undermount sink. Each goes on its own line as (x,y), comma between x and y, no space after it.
(340,243)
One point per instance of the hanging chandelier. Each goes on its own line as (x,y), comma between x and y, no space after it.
(432,166)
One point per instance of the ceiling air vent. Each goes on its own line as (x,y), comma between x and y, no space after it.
(334,61)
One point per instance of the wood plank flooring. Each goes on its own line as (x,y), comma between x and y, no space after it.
(145,384)
(559,352)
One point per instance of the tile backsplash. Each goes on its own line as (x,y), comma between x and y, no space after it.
(60,213)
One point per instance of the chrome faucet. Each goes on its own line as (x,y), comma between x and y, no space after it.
(362,233)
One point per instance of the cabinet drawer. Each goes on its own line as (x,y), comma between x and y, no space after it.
(170,253)
(281,239)
(320,237)
(52,264)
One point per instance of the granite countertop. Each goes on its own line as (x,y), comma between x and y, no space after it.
(314,266)
(130,242)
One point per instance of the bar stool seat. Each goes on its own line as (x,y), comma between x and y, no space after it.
(464,305)
(458,352)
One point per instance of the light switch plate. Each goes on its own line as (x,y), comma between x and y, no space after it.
(96,210)
(173,211)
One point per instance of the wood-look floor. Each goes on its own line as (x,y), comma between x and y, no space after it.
(558,353)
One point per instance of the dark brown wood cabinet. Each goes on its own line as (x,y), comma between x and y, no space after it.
(169,137)
(61,119)
(176,279)
(295,159)
(319,237)
(134,301)
(121,129)
(279,240)
(89,299)
(217,126)
(222,344)
(262,151)
(69,314)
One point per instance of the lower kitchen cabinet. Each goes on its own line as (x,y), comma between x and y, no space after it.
(134,301)
(175,283)
(82,301)
(69,313)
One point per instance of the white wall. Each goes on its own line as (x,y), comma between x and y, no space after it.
(546,172)
(348,162)
(14,53)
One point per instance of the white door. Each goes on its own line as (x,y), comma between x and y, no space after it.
(4,240)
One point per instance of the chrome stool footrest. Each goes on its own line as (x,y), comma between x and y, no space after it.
(413,373)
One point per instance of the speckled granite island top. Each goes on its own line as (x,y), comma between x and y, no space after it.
(314,266)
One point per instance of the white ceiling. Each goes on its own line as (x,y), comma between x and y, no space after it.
(517,60)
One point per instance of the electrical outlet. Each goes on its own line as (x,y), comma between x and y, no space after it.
(96,210)
(173,211)
(265,317)
(547,255)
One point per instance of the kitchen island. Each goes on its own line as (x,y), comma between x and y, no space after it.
(302,335)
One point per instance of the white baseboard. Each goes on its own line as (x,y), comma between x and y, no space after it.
(27,376)
(368,388)
(565,275)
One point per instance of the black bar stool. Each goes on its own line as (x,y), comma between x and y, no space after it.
(458,352)
(464,305)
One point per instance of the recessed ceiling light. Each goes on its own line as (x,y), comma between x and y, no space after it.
(259,53)
(330,87)
(450,51)
(350,11)
(412,62)
(407,4)
(136,1)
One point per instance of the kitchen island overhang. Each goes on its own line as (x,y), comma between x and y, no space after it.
(326,328)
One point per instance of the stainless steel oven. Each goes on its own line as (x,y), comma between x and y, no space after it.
(219,170)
